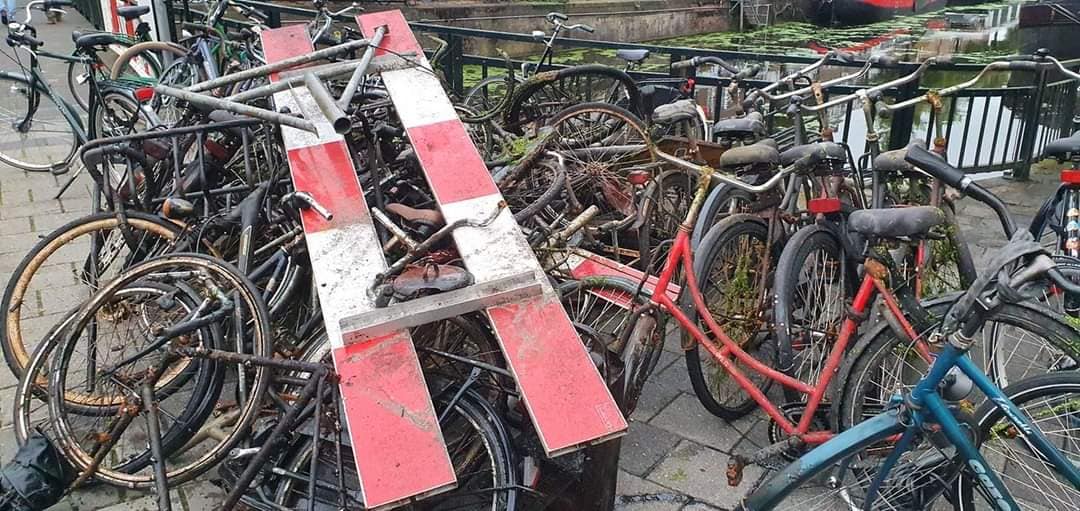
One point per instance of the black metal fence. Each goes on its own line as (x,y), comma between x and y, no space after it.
(1000,128)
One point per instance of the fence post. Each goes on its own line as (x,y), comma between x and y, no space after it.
(1032,113)
(904,120)
(455,62)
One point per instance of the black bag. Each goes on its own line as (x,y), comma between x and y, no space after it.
(36,478)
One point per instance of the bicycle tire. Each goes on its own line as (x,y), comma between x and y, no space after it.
(996,445)
(260,342)
(48,142)
(521,193)
(152,48)
(15,348)
(1052,340)
(537,98)
(950,266)
(663,207)
(723,200)
(478,99)
(802,354)
(476,413)
(722,241)
(598,176)
(207,379)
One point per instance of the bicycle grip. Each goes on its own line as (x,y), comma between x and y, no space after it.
(587,28)
(552,16)
(685,64)
(53,4)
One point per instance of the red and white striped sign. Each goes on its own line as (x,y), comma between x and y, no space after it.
(565,395)
(396,440)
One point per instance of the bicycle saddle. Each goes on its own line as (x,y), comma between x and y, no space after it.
(739,127)
(759,153)
(95,39)
(820,152)
(893,161)
(1063,148)
(410,214)
(632,55)
(130,12)
(896,222)
(680,110)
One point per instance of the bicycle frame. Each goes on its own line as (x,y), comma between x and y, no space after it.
(928,408)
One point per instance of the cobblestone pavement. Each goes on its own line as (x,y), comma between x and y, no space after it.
(676,453)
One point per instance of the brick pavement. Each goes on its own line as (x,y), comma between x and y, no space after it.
(674,456)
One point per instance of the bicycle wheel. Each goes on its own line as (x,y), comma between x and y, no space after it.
(1029,339)
(1051,404)
(143,61)
(732,266)
(488,95)
(118,114)
(121,325)
(601,144)
(722,202)
(36,133)
(78,79)
(479,448)
(664,206)
(182,73)
(122,369)
(62,271)
(813,282)
(545,94)
(946,265)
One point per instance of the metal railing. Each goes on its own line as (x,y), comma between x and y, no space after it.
(989,129)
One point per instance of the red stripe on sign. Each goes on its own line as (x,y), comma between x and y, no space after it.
(325,171)
(598,266)
(395,435)
(399,37)
(454,170)
(557,380)
(286,42)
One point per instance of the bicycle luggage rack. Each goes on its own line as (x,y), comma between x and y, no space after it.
(395,435)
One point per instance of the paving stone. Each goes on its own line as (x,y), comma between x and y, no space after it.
(674,376)
(644,447)
(146,503)
(697,470)
(98,497)
(637,494)
(654,398)
(687,418)
(202,495)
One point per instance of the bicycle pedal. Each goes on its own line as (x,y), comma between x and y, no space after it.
(735,466)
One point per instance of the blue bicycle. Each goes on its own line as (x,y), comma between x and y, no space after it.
(1019,450)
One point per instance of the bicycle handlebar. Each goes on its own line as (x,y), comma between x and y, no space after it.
(827,83)
(877,89)
(771,183)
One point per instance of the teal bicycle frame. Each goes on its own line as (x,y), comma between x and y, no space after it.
(924,406)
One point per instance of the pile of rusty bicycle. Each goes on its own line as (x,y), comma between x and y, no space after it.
(274,261)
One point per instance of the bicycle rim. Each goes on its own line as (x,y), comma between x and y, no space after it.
(44,142)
